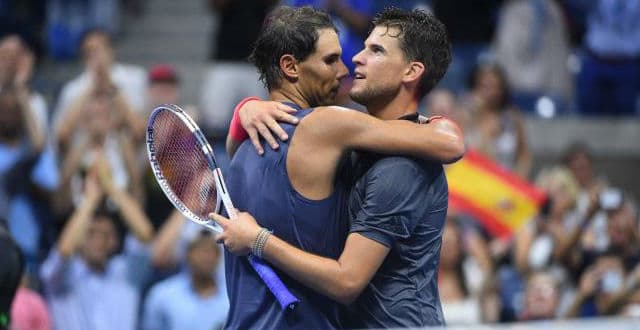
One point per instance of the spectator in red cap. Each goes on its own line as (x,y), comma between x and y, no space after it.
(163,85)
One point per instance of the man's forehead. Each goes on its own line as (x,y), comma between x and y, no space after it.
(95,39)
(102,222)
(328,42)
(385,35)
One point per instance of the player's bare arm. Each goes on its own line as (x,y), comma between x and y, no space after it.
(341,280)
(442,141)
(445,139)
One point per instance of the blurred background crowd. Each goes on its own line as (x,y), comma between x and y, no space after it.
(548,89)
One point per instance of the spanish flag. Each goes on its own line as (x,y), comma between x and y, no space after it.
(498,198)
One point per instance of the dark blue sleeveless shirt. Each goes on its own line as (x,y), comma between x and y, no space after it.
(260,185)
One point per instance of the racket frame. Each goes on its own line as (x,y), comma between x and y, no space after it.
(222,195)
(284,297)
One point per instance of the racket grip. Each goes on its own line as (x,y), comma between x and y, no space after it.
(286,299)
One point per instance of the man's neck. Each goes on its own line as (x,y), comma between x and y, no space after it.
(400,106)
(96,268)
(284,94)
(203,285)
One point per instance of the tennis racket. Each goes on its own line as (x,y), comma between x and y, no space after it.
(185,167)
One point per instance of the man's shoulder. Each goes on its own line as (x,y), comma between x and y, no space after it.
(394,179)
(324,123)
(418,181)
(405,168)
(333,113)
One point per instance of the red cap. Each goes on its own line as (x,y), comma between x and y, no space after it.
(163,73)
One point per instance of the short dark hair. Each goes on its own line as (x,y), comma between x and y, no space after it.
(577,148)
(104,213)
(197,237)
(423,38)
(287,30)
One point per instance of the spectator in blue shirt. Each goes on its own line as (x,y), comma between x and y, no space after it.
(28,172)
(192,299)
(88,285)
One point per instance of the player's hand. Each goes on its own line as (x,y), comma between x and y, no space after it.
(260,118)
(239,234)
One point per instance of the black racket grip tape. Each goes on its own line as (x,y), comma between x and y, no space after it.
(286,299)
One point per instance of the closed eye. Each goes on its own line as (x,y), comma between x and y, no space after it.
(331,59)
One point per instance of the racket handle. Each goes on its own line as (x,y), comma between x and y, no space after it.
(286,299)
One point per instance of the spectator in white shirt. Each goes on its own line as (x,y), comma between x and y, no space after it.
(97,50)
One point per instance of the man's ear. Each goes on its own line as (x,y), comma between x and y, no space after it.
(414,72)
(289,67)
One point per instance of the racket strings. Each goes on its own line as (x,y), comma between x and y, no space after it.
(183,165)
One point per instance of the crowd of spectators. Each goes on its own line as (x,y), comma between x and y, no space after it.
(102,248)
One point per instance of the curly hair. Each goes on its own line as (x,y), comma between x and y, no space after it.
(423,38)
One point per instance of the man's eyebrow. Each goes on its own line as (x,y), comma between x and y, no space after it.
(331,56)
(377,46)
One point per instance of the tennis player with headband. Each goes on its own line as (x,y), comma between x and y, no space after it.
(297,191)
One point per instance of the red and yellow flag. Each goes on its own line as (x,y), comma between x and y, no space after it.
(495,196)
